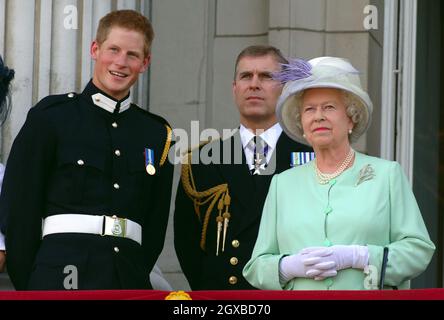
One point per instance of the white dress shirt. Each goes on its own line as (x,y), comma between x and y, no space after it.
(270,136)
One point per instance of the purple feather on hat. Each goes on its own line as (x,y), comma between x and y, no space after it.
(296,69)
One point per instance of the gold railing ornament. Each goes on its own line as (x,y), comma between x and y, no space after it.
(178,295)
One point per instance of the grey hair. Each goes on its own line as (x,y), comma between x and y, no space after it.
(352,109)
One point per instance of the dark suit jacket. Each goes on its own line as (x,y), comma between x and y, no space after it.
(203,269)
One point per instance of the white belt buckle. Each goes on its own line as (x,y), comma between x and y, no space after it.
(114,226)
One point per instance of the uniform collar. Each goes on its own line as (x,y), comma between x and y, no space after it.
(104,101)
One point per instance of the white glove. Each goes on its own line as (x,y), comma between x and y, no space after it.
(351,256)
(295,266)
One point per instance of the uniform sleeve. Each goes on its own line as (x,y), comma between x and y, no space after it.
(187,235)
(23,196)
(262,270)
(155,230)
(410,248)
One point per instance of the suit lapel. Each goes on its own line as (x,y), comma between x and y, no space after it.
(284,148)
(281,159)
(262,184)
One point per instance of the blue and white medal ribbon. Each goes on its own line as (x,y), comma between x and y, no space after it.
(300,158)
(149,161)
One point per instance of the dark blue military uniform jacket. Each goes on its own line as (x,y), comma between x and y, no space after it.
(74,157)
(204,269)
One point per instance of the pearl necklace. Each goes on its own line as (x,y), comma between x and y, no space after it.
(324,178)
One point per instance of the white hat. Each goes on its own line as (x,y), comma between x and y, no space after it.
(322,72)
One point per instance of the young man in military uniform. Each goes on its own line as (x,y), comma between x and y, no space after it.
(93,167)
(219,205)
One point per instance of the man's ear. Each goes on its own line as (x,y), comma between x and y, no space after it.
(146,63)
(233,88)
(93,50)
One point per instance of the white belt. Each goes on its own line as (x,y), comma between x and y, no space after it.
(102,225)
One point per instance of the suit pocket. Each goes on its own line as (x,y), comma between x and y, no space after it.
(79,177)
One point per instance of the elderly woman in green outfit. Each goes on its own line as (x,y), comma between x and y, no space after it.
(328,223)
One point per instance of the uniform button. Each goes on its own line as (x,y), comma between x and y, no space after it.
(234,261)
(116,186)
(97,99)
(232,280)
(71,95)
(235,243)
(117,153)
(116,249)
(114,124)
(80,162)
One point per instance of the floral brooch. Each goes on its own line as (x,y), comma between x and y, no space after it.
(366,173)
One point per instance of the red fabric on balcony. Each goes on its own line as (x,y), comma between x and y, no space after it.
(416,294)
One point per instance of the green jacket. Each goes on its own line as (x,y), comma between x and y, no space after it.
(371,204)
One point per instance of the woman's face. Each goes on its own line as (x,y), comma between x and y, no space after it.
(324,118)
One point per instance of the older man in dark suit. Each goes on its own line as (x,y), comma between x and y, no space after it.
(219,205)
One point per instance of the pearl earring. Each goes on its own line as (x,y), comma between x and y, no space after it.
(350,131)
(304,135)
